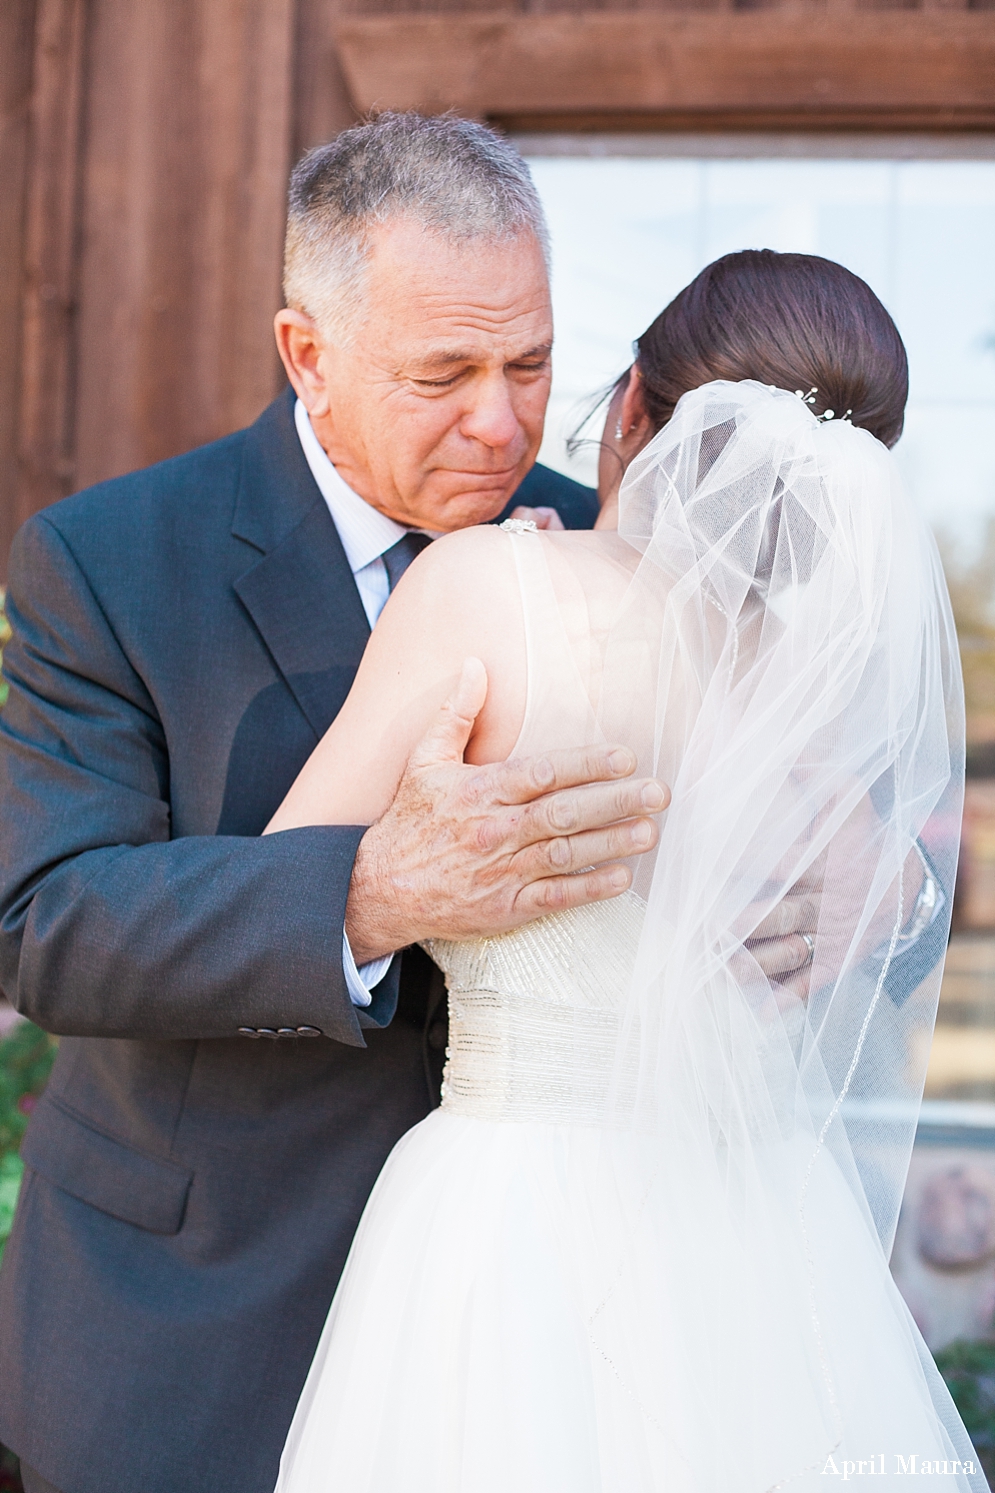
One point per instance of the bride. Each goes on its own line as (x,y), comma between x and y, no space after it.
(642,1246)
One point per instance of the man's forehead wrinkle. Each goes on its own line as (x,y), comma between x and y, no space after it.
(473,310)
(445,357)
(463,328)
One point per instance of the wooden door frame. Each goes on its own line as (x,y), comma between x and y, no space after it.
(752,70)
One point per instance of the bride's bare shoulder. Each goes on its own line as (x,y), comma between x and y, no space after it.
(469,579)
(459,599)
(457,561)
(604,546)
(456,583)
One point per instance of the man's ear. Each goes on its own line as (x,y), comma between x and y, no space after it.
(636,424)
(300,345)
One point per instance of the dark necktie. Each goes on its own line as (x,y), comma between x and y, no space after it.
(400,555)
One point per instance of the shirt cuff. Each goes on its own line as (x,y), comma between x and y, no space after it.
(360,981)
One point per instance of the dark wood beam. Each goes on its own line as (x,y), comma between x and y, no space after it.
(632,70)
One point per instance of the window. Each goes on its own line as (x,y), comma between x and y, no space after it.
(633,220)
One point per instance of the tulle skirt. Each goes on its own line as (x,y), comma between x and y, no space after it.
(498,1329)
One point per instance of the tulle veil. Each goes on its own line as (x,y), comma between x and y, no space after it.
(788,615)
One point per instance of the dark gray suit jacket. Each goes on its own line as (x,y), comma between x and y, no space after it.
(182,637)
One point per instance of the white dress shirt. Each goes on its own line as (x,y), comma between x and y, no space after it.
(365,534)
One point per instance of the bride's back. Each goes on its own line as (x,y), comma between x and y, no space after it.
(572,588)
(537,609)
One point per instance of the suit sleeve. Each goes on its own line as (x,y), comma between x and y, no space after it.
(910,968)
(108,927)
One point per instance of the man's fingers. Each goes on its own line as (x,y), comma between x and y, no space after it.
(447,736)
(525,778)
(558,892)
(791,915)
(569,853)
(593,807)
(543,518)
(797,984)
(778,957)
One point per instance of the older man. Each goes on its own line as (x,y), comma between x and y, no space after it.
(229,1084)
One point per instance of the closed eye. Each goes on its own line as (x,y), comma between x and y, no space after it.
(446,383)
(456,365)
(436,383)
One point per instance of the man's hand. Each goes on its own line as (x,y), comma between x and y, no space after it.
(543,518)
(778,944)
(471,851)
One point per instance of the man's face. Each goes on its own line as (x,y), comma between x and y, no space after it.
(434,414)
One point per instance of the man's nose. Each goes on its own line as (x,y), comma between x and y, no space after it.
(491,417)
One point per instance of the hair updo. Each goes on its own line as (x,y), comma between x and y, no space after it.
(793,320)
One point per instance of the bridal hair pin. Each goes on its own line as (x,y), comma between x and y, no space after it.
(809,398)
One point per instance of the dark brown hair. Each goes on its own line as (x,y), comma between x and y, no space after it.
(793,320)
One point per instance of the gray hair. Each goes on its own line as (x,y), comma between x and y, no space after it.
(458,178)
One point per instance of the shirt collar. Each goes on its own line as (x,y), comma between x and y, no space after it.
(365,532)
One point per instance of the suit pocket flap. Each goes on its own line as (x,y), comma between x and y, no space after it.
(105,1172)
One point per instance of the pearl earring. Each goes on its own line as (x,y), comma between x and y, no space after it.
(619,432)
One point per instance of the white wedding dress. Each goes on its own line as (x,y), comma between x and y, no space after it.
(547,1296)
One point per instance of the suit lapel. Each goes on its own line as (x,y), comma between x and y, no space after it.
(300,593)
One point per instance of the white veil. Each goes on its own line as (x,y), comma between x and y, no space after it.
(790,618)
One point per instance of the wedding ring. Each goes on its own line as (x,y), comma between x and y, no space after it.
(810,945)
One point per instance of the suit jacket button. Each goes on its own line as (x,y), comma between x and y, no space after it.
(308,1031)
(267,1031)
(438,1034)
(286,1031)
(247,1031)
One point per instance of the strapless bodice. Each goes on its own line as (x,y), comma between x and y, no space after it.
(533,1014)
